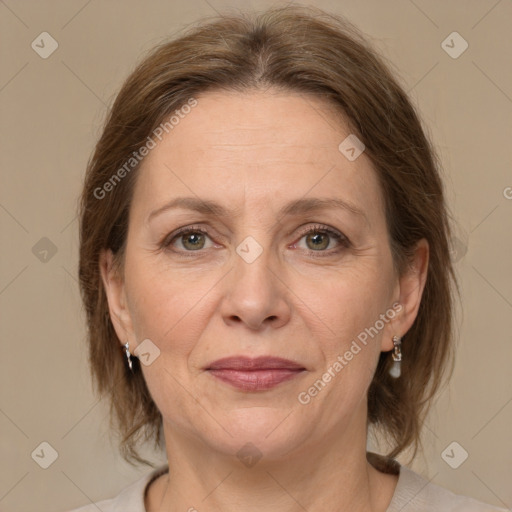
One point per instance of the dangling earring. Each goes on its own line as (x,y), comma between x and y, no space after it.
(395,370)
(128,355)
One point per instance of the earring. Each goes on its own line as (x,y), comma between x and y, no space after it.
(128,355)
(395,370)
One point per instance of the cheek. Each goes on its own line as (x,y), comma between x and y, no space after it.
(162,300)
(346,302)
(169,310)
(351,328)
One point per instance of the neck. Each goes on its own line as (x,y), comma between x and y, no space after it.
(334,475)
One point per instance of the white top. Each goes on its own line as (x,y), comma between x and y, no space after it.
(413,493)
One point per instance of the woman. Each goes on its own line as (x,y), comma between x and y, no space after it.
(266,271)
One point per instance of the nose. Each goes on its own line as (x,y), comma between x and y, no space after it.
(255,294)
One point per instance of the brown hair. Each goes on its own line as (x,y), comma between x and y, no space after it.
(298,49)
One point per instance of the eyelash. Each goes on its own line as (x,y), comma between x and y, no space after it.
(319,229)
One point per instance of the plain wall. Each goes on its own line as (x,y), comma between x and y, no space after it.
(51,114)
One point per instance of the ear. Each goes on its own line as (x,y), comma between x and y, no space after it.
(408,294)
(113,283)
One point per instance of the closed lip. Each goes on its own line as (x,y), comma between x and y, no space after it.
(244,363)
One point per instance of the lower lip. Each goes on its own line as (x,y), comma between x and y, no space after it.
(255,380)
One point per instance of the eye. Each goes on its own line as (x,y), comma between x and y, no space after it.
(190,239)
(322,239)
(318,239)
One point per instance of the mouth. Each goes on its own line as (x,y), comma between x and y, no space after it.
(254,374)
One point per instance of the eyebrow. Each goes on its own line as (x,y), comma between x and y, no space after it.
(296,207)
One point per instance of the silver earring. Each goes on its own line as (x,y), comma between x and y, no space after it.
(128,355)
(395,370)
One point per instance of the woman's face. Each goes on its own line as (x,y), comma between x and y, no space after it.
(292,261)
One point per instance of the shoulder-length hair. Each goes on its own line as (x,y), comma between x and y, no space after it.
(302,50)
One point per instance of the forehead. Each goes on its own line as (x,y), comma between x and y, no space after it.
(271,117)
(260,144)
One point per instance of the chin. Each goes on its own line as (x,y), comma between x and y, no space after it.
(264,433)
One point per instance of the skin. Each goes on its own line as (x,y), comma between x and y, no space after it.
(254,152)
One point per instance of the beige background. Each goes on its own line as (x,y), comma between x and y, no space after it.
(52,110)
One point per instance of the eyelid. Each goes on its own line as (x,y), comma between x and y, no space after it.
(168,239)
(342,239)
(324,228)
